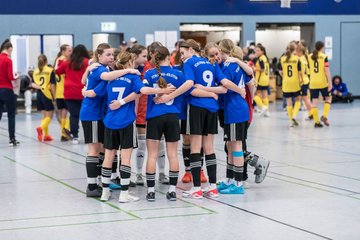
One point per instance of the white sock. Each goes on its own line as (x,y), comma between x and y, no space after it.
(238,184)
(212,186)
(151,189)
(161,156)
(140,152)
(113,175)
(196,189)
(172,188)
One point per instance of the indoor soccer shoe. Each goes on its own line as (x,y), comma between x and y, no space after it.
(233,190)
(96,193)
(261,169)
(39,134)
(193,194)
(150,196)
(187,177)
(106,194)
(203,179)
(212,193)
(171,196)
(318,125)
(222,185)
(125,197)
(48,138)
(295,122)
(325,121)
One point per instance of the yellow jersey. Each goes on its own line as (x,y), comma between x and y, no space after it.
(262,77)
(291,71)
(305,69)
(318,79)
(59,80)
(43,80)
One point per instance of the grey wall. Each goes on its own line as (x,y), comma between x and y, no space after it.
(82,26)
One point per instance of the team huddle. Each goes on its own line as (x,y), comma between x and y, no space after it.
(145,98)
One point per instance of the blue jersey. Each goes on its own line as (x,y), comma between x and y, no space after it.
(117,90)
(201,71)
(173,77)
(91,108)
(236,109)
(184,98)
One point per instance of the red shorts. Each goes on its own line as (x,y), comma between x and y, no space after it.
(141,111)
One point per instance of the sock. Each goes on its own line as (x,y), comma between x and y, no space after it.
(315,112)
(105,176)
(173,176)
(229,171)
(150,180)
(290,112)
(258,101)
(172,188)
(67,123)
(297,106)
(161,156)
(211,167)
(125,173)
(195,164)
(46,131)
(101,160)
(114,167)
(326,109)
(186,157)
(91,171)
(45,124)
(266,102)
(202,157)
(245,174)
(140,152)
(62,123)
(238,173)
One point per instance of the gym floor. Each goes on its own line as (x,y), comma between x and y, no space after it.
(312,190)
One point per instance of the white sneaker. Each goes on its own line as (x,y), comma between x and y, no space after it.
(263,110)
(125,197)
(139,179)
(75,141)
(267,112)
(291,124)
(106,194)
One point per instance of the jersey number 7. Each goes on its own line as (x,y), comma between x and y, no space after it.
(120,90)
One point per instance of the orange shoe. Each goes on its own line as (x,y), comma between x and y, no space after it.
(187,177)
(203,179)
(48,138)
(39,134)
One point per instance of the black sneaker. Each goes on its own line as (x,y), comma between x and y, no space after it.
(295,122)
(150,196)
(171,196)
(13,143)
(64,139)
(318,125)
(96,193)
(132,184)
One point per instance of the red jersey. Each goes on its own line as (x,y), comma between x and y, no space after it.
(142,105)
(6,71)
(249,102)
(72,81)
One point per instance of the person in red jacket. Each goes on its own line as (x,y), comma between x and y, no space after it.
(74,69)
(7,96)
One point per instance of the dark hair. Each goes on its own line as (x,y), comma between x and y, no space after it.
(42,61)
(335,77)
(100,50)
(177,57)
(262,48)
(137,49)
(191,43)
(151,49)
(6,45)
(76,59)
(318,46)
(289,50)
(160,55)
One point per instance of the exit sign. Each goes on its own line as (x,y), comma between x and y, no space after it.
(108,26)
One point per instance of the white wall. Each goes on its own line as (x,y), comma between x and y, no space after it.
(218,36)
(275,41)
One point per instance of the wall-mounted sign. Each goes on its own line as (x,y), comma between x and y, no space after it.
(108,26)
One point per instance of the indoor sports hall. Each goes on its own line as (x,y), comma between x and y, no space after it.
(179,120)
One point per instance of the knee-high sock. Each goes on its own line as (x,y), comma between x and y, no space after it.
(258,101)
(186,157)
(290,112)
(296,108)
(161,156)
(211,167)
(140,152)
(266,102)
(114,167)
(173,175)
(92,171)
(195,163)
(315,113)
(45,125)
(67,123)
(125,173)
(326,109)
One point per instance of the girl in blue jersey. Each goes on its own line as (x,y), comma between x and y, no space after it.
(202,114)
(119,120)
(91,113)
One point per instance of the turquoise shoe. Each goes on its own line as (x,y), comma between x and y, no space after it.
(233,190)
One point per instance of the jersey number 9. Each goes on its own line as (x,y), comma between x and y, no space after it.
(316,66)
(208,77)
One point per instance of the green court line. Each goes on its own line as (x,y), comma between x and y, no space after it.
(71,160)
(68,225)
(182,215)
(155,209)
(58,216)
(71,187)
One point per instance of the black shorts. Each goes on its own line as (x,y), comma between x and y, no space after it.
(304,89)
(221,117)
(291,94)
(93,131)
(262,88)
(140,125)
(315,93)
(184,127)
(202,121)
(60,103)
(123,138)
(235,131)
(43,103)
(167,124)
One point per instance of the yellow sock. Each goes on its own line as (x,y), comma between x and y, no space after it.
(290,112)
(62,123)
(266,101)
(326,109)
(46,131)
(45,122)
(315,112)
(258,101)
(67,123)
(296,108)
